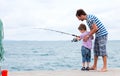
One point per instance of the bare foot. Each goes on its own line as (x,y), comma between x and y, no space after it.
(92,68)
(103,70)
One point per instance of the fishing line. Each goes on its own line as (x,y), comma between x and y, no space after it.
(57,31)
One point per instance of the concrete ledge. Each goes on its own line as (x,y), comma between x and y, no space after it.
(110,72)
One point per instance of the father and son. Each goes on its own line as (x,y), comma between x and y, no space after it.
(96,27)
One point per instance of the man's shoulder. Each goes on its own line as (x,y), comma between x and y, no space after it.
(91,16)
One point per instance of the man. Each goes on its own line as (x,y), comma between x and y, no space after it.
(97,28)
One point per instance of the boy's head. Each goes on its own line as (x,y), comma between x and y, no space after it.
(82,28)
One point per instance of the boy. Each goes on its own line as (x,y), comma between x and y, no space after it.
(86,47)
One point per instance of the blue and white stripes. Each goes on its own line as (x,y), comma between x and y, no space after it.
(91,19)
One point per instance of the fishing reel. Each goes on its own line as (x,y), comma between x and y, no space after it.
(74,40)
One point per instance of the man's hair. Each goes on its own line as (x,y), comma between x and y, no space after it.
(82,27)
(80,12)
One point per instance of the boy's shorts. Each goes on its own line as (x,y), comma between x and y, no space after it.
(86,54)
(100,46)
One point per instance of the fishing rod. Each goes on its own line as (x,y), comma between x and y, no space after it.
(74,39)
(57,31)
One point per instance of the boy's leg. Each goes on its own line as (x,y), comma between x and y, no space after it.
(83,64)
(88,57)
(94,67)
(88,64)
(83,58)
(87,68)
(104,64)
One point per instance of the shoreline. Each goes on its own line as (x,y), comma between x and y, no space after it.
(110,72)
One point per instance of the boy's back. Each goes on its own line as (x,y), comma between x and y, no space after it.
(88,43)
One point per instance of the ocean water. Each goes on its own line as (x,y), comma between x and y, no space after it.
(52,55)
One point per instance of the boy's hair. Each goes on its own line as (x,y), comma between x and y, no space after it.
(80,12)
(82,27)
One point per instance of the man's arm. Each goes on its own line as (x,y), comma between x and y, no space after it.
(93,30)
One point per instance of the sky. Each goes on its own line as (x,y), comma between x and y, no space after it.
(20,17)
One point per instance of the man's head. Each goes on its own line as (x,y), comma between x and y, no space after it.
(81,15)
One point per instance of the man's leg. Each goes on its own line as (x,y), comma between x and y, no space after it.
(94,67)
(104,52)
(104,64)
(96,48)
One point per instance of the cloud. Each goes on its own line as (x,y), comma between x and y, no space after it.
(20,16)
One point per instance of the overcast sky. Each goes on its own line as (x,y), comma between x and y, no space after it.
(21,16)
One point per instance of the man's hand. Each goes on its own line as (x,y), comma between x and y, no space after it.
(93,30)
(86,38)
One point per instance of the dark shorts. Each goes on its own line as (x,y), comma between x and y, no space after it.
(86,54)
(100,46)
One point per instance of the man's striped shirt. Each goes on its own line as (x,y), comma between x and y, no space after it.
(91,19)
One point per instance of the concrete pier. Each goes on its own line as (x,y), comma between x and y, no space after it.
(110,72)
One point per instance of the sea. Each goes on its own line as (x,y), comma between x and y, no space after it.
(52,55)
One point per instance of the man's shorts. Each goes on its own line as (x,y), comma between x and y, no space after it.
(100,46)
(86,54)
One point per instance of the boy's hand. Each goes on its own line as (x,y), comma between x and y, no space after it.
(74,40)
(78,38)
